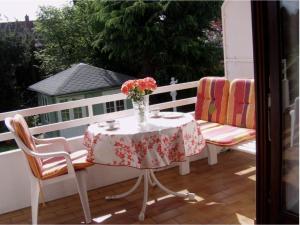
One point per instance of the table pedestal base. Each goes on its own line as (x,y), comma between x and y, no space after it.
(150,179)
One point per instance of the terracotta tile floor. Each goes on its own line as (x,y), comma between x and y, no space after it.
(225,194)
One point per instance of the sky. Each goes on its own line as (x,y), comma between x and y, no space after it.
(11,10)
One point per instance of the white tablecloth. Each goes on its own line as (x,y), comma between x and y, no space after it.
(158,144)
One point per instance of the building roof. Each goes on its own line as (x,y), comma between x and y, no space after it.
(18,26)
(78,78)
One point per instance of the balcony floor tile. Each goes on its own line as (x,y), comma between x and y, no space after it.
(224,195)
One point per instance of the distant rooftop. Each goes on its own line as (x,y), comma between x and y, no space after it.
(78,78)
(17,26)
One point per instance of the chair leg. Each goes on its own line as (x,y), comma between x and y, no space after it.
(82,190)
(35,192)
(212,152)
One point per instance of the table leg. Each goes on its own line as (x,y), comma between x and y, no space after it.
(190,196)
(151,181)
(146,186)
(128,192)
(149,178)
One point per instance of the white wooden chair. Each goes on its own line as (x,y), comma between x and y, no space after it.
(50,167)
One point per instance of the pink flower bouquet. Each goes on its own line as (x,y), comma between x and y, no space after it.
(137,89)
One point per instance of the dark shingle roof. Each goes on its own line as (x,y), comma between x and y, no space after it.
(80,77)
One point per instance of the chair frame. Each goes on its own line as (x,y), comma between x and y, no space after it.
(36,183)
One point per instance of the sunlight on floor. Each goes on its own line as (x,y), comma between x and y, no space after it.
(121,211)
(197,198)
(165,197)
(100,219)
(253,177)
(151,202)
(246,171)
(244,219)
(214,203)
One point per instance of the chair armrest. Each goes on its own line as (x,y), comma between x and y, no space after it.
(60,140)
(64,154)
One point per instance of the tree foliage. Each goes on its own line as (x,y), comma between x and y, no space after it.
(166,38)
(65,36)
(159,38)
(18,68)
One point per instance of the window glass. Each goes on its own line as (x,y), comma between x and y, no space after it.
(65,114)
(77,112)
(290,104)
(120,105)
(110,107)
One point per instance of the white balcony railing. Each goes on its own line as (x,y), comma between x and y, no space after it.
(15,186)
(89,102)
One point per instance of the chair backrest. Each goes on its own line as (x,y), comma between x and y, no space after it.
(212,99)
(19,128)
(241,103)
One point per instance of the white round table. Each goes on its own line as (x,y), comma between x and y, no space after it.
(157,144)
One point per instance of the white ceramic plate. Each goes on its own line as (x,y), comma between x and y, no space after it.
(172,115)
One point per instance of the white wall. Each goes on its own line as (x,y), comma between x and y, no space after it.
(15,186)
(237,39)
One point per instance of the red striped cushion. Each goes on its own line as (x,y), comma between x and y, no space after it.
(225,135)
(23,132)
(241,104)
(212,96)
(56,166)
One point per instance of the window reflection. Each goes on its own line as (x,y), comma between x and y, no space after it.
(290,103)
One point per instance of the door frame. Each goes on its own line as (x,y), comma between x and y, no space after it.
(267,73)
(260,50)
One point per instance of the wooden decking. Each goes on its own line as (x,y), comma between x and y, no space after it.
(225,195)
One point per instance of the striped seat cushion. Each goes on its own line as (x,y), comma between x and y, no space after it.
(207,125)
(241,104)
(56,166)
(225,135)
(212,97)
(23,132)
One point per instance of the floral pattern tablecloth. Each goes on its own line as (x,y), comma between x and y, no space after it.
(159,143)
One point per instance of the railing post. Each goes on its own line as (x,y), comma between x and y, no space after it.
(90,110)
(173,93)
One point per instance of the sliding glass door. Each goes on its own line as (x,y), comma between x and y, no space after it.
(276,60)
(289,27)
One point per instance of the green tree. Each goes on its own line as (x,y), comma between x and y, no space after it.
(164,38)
(159,38)
(65,36)
(18,68)
(10,57)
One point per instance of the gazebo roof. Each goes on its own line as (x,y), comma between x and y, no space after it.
(78,78)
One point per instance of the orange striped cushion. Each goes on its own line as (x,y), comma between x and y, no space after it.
(207,125)
(212,96)
(226,135)
(56,166)
(241,104)
(23,132)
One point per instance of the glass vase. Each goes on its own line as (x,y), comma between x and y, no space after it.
(141,109)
